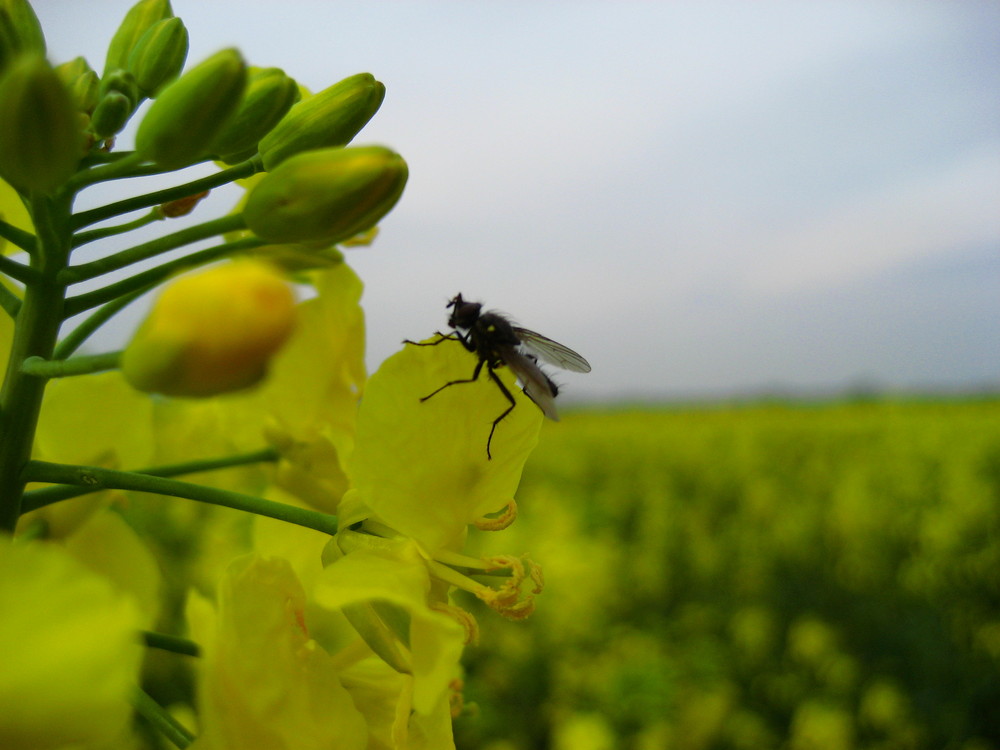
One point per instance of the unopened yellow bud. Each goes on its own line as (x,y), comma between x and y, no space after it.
(327,195)
(40,138)
(212,332)
(158,57)
(137,21)
(268,97)
(188,114)
(330,118)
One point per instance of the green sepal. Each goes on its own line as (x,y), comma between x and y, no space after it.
(137,21)
(188,114)
(158,57)
(40,138)
(327,195)
(330,118)
(270,93)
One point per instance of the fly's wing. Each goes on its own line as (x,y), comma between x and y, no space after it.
(536,383)
(551,351)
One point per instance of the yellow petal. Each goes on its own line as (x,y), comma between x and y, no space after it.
(421,466)
(400,578)
(265,684)
(72,657)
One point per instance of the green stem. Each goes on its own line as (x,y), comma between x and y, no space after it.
(9,301)
(73,341)
(161,719)
(130,165)
(24,274)
(170,643)
(240,171)
(35,332)
(143,282)
(82,238)
(96,478)
(151,249)
(24,240)
(61,368)
(35,499)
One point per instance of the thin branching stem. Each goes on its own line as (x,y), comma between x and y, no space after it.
(158,197)
(62,368)
(151,249)
(82,238)
(24,240)
(97,478)
(143,282)
(70,343)
(161,719)
(34,499)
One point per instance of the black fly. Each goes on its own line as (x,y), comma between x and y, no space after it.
(496,342)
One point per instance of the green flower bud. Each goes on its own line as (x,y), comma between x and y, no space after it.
(330,194)
(330,118)
(110,115)
(20,32)
(40,138)
(84,90)
(123,82)
(137,21)
(158,57)
(82,83)
(268,97)
(189,113)
(70,71)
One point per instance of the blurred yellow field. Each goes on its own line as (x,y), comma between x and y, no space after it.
(762,576)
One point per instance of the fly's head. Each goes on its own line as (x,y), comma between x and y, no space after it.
(464,314)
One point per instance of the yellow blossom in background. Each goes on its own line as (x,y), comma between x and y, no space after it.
(420,466)
(71,658)
(263,682)
(212,332)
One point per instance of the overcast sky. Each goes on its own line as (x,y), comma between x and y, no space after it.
(703,198)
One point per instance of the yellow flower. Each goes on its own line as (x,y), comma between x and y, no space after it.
(212,332)
(395,579)
(72,656)
(421,466)
(264,683)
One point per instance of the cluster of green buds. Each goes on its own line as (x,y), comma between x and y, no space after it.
(350,624)
(58,126)
(58,121)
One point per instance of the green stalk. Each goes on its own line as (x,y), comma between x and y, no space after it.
(9,301)
(82,238)
(170,643)
(20,238)
(148,200)
(96,478)
(35,332)
(35,499)
(151,249)
(161,719)
(61,368)
(143,282)
(72,341)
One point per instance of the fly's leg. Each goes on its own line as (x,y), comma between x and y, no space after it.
(498,420)
(453,336)
(473,379)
